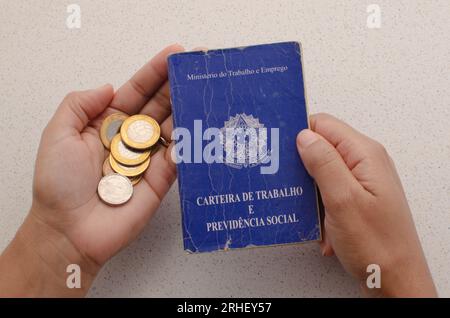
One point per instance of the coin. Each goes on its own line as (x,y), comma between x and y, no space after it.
(125,155)
(140,131)
(110,127)
(129,171)
(115,189)
(107,169)
(164,142)
(135,180)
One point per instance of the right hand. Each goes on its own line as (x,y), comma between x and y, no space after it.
(367,217)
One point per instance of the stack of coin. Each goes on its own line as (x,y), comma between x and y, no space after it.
(131,141)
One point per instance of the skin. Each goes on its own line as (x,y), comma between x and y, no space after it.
(68,223)
(367,216)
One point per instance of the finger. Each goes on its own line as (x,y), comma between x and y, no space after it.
(366,158)
(350,143)
(78,108)
(326,166)
(325,244)
(97,122)
(162,171)
(131,96)
(326,249)
(166,128)
(158,106)
(332,129)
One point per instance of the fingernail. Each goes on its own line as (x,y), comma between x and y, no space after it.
(181,47)
(306,137)
(103,86)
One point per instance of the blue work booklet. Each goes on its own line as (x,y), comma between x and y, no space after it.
(236,115)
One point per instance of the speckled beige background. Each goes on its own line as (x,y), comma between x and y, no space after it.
(392,83)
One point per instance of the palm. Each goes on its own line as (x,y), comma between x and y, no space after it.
(68,169)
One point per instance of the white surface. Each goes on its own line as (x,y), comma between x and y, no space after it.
(392,83)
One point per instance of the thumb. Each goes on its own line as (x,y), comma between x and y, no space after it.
(78,108)
(326,166)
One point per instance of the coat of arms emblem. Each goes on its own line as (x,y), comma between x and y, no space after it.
(244,141)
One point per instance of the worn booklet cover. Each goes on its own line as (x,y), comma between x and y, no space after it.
(236,114)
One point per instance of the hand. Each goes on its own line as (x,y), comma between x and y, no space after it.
(67,217)
(367,218)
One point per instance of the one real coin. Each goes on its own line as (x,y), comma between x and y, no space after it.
(110,127)
(140,131)
(129,171)
(107,169)
(115,189)
(125,155)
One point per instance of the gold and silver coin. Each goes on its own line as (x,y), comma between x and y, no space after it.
(129,171)
(135,180)
(111,127)
(164,142)
(125,155)
(107,169)
(131,140)
(140,132)
(115,189)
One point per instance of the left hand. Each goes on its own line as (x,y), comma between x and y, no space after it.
(67,213)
